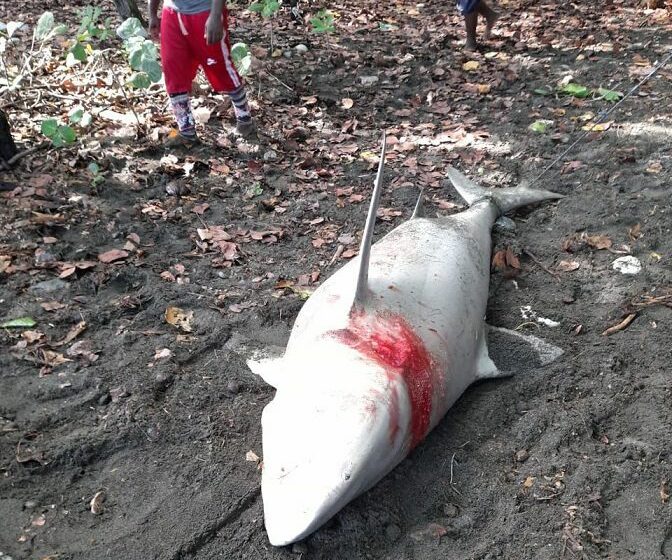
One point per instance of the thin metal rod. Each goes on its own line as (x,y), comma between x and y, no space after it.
(601,119)
(365,248)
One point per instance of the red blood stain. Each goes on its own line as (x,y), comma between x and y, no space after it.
(390,341)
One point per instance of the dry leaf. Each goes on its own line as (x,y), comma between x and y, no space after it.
(511,259)
(84,349)
(97,503)
(529,482)
(635,232)
(597,241)
(252,457)
(471,65)
(112,255)
(52,305)
(162,354)
(664,491)
(200,208)
(567,266)
(32,336)
(179,318)
(53,359)
(73,333)
(654,167)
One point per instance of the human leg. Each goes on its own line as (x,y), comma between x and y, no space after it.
(469,9)
(490,16)
(220,71)
(179,70)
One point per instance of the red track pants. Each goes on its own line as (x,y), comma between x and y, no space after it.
(184,49)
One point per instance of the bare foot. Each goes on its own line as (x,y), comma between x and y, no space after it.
(471,44)
(490,20)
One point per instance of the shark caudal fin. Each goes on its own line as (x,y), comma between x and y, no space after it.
(362,291)
(506,199)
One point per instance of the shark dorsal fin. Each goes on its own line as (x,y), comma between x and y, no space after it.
(362,290)
(419,211)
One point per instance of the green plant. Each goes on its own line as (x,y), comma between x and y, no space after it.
(575,90)
(609,95)
(242,58)
(143,56)
(90,28)
(59,134)
(79,116)
(267,9)
(97,177)
(323,22)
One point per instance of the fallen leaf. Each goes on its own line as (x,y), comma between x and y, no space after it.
(73,333)
(252,457)
(529,482)
(471,65)
(168,276)
(96,503)
(32,336)
(599,127)
(511,259)
(654,167)
(19,323)
(162,354)
(200,208)
(83,349)
(571,166)
(179,318)
(597,241)
(664,491)
(53,359)
(112,255)
(567,266)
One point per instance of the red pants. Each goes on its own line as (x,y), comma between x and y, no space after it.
(184,49)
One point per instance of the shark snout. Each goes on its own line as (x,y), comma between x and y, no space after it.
(295,505)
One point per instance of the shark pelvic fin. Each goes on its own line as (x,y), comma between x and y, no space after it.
(506,199)
(485,367)
(269,369)
(362,290)
(419,211)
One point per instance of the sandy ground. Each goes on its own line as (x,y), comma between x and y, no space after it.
(568,461)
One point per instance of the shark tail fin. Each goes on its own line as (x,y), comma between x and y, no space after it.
(362,290)
(506,199)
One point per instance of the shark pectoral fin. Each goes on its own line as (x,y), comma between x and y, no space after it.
(514,351)
(485,367)
(269,369)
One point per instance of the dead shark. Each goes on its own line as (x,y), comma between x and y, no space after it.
(376,357)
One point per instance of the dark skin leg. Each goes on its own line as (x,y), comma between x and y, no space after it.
(490,17)
(470,21)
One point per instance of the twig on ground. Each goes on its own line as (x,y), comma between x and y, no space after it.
(16,157)
(620,326)
(279,80)
(541,265)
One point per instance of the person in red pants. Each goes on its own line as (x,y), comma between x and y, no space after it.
(194,33)
(470,10)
